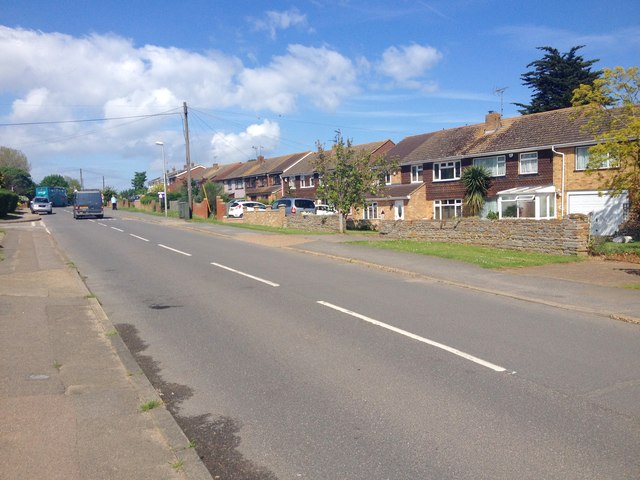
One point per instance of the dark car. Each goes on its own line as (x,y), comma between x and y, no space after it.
(293,206)
(88,203)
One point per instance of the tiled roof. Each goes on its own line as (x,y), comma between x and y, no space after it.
(436,145)
(403,190)
(265,166)
(306,166)
(554,128)
(545,129)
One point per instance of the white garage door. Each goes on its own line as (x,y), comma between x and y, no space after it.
(607,212)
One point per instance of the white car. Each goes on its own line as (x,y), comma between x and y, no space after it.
(236,209)
(41,205)
(322,209)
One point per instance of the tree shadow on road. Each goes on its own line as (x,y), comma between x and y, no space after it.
(216,439)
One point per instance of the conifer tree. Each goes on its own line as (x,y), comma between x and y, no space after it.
(554,78)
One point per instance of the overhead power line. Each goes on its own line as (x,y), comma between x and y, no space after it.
(87,120)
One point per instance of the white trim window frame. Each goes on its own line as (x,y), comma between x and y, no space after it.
(496,165)
(446,171)
(582,159)
(307,181)
(239,183)
(448,207)
(371,211)
(528,164)
(417,173)
(388,178)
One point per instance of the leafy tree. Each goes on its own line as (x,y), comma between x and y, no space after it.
(213,190)
(54,181)
(107,193)
(138,181)
(612,112)
(348,175)
(73,185)
(18,181)
(554,78)
(10,157)
(476,181)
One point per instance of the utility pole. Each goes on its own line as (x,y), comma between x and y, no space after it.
(186,139)
(81,182)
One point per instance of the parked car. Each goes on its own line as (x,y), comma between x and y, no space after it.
(236,209)
(293,206)
(322,209)
(41,205)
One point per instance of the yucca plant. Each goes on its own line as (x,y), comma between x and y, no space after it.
(476,181)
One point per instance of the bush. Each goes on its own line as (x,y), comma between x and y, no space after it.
(8,202)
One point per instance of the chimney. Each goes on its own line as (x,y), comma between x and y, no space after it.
(491,122)
(260,159)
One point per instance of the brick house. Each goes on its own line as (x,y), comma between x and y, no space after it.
(301,180)
(259,179)
(537,164)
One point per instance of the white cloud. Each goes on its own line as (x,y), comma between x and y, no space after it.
(407,64)
(324,76)
(234,147)
(275,21)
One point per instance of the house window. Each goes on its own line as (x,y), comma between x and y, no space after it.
(443,209)
(371,212)
(239,183)
(496,166)
(416,173)
(387,178)
(306,181)
(582,159)
(444,171)
(276,180)
(528,163)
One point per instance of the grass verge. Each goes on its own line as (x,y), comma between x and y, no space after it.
(484,257)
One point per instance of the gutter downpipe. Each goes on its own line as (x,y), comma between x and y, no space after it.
(553,149)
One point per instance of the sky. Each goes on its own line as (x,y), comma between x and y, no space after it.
(87,88)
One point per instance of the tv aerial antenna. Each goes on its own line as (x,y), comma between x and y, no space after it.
(500,91)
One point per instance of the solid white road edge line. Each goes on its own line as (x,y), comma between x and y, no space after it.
(174,250)
(139,238)
(246,275)
(455,351)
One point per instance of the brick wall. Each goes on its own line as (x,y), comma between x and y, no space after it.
(277,218)
(569,236)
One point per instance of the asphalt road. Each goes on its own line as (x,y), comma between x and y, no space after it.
(281,365)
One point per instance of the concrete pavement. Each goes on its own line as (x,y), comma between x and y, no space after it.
(71,393)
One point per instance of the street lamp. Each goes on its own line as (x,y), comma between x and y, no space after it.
(164,178)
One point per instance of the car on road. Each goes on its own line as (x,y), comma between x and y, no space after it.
(41,205)
(236,209)
(88,203)
(323,209)
(294,206)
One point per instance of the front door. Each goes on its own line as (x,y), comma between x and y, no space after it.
(398,210)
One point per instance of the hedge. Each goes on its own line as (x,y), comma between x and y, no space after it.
(8,202)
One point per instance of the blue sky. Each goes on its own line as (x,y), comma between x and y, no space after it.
(270,77)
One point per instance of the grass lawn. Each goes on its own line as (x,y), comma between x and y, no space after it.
(618,251)
(484,257)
